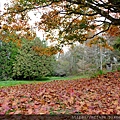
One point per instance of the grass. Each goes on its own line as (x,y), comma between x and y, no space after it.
(65,78)
(14,82)
(45,79)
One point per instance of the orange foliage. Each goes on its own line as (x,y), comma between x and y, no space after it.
(69,20)
(19,43)
(114,31)
(46,51)
(100,42)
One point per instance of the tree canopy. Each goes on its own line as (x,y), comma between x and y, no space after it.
(23,62)
(30,65)
(64,21)
(8,52)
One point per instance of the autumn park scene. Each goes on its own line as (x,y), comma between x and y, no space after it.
(59,58)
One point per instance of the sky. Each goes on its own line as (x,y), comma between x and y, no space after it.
(1,5)
(2,2)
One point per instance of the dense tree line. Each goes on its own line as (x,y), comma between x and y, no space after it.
(83,59)
(8,52)
(23,62)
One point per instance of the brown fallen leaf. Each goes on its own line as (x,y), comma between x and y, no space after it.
(98,95)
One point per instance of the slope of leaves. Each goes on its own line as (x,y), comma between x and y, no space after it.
(99,95)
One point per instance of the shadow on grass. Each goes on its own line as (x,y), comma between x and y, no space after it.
(47,79)
(42,79)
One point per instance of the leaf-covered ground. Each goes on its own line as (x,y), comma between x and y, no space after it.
(99,95)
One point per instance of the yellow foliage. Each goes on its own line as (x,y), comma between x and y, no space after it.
(5,27)
(19,43)
(114,30)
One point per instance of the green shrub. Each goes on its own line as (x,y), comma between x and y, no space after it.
(30,65)
(8,52)
(100,72)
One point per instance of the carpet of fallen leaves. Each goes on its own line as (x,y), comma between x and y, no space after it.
(100,95)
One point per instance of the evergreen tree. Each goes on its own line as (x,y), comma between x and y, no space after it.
(29,64)
(8,52)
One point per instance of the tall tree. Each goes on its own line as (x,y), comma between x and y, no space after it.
(29,64)
(8,51)
(117,44)
(70,20)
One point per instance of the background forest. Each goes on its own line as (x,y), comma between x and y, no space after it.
(23,63)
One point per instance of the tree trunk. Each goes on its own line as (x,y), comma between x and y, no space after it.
(101,61)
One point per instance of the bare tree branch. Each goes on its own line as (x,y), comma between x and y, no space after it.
(99,32)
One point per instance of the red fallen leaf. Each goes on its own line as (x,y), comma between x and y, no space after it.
(44,110)
(11,113)
(115,102)
(30,111)
(66,102)
(77,107)
(36,111)
(71,91)
(118,108)
(119,101)
(84,108)
(36,106)
(52,104)
(5,106)
(71,100)
(102,92)
(91,107)
(14,103)
(56,107)
(42,91)
(17,112)
(23,99)
(42,101)
(110,111)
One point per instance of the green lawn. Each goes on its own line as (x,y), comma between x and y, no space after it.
(46,79)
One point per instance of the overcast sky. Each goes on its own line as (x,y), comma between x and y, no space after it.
(2,2)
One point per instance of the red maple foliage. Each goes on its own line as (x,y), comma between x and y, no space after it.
(100,95)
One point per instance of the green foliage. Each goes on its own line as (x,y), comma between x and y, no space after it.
(118,68)
(14,83)
(117,44)
(8,52)
(30,65)
(100,72)
(22,62)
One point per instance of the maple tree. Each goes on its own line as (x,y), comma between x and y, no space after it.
(8,52)
(66,21)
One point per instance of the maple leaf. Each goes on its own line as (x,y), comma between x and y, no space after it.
(90,96)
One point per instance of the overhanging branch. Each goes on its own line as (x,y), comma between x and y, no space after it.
(99,32)
(28,8)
